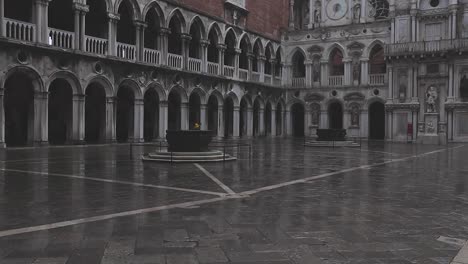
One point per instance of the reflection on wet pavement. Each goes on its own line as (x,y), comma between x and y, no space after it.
(384,203)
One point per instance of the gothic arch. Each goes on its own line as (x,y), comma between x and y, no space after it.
(102,81)
(293,52)
(36,79)
(368,50)
(333,47)
(247,99)
(245,37)
(330,101)
(260,100)
(270,48)
(373,100)
(159,90)
(293,102)
(181,91)
(136,12)
(234,98)
(233,32)
(218,96)
(214,26)
(258,44)
(201,93)
(196,21)
(176,13)
(109,6)
(154,6)
(70,77)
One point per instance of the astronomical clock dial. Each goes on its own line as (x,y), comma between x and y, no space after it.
(337,9)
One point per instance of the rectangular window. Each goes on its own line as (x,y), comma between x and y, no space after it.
(433,31)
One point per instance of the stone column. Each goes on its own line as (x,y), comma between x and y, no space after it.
(236,122)
(261,120)
(450,96)
(324,72)
(112,34)
(250,57)
(291,14)
(249,122)
(41,20)
(273,70)
(163,119)
(311,14)
(138,121)
(80,25)
(347,72)
(110,135)
(204,54)
(203,117)
(287,75)
(41,118)
(163,49)
(413,13)
(236,63)
(390,84)
(453,20)
(184,119)
(77,21)
(221,50)
(220,121)
(308,68)
(2,115)
(363,11)
(140,39)
(273,122)
(365,71)
(2,31)
(289,131)
(78,126)
(186,38)
(261,67)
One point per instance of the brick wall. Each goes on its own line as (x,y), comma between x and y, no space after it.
(267,17)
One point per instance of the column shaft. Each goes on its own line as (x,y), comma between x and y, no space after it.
(220,121)
(110,120)
(138,121)
(78,126)
(163,115)
(273,122)
(236,122)
(203,117)
(249,122)
(2,115)
(261,119)
(185,116)
(2,21)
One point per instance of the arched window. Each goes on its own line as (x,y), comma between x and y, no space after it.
(213,54)
(257,52)
(379,9)
(302,14)
(96,19)
(279,64)
(230,52)
(243,56)
(336,63)
(298,65)
(268,60)
(196,34)
(377,60)
(175,40)
(61,15)
(152,30)
(125,28)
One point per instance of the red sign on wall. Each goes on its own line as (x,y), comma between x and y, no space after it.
(410,129)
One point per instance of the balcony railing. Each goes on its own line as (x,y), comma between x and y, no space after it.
(298,81)
(194,64)
(229,71)
(420,47)
(20,30)
(335,80)
(213,68)
(126,51)
(61,38)
(174,60)
(377,79)
(268,78)
(151,56)
(256,76)
(96,45)
(277,81)
(243,74)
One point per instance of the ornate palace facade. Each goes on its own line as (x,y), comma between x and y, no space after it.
(90,71)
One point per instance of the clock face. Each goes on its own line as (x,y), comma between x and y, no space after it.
(337,9)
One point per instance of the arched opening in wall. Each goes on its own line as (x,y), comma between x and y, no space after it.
(195,42)
(336,63)
(302,14)
(244,55)
(174,108)
(19,110)
(213,54)
(152,30)
(194,110)
(175,37)
(256,118)
(267,119)
(228,117)
(268,61)
(298,66)
(379,9)
(243,117)
(377,63)
(60,112)
(335,115)
(298,117)
(213,114)
(19,10)
(61,15)
(256,56)
(151,115)
(125,114)
(95,114)
(96,19)
(125,29)
(279,119)
(464,88)
(279,64)
(230,53)
(377,121)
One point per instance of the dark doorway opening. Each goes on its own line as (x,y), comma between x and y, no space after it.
(19,110)
(125,113)
(335,114)
(228,117)
(377,121)
(213,114)
(298,114)
(268,119)
(174,108)
(60,112)
(95,114)
(151,118)
(194,110)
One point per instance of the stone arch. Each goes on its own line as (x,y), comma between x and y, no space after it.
(70,77)
(246,39)
(261,101)
(136,12)
(109,5)
(218,96)
(176,13)
(155,6)
(104,82)
(219,34)
(38,83)
(234,98)
(269,47)
(159,90)
(334,46)
(201,93)
(372,100)
(293,102)
(258,44)
(293,52)
(247,99)
(181,91)
(133,85)
(330,101)
(196,20)
(233,32)
(369,48)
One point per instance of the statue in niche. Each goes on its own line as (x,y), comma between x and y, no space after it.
(318,13)
(356,70)
(357,13)
(431,100)
(402,93)
(464,88)
(355,112)
(316,70)
(306,15)
(315,114)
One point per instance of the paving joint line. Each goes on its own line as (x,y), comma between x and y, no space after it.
(216,180)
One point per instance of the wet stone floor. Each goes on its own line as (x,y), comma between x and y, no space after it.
(284,203)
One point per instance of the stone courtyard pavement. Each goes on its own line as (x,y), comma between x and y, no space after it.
(384,203)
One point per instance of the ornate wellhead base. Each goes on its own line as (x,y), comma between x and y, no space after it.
(188,157)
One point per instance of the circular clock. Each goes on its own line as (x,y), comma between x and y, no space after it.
(337,9)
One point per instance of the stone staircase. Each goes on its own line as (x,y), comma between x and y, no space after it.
(188,157)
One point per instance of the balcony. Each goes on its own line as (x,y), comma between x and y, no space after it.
(426,47)
(255,76)
(174,60)
(377,79)
(20,30)
(126,51)
(336,80)
(268,78)
(61,38)
(299,82)
(229,71)
(96,45)
(243,74)
(213,68)
(194,65)
(151,56)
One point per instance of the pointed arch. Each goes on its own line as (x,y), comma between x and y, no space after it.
(258,47)
(333,47)
(218,96)
(201,93)
(159,90)
(196,21)
(134,8)
(270,49)
(231,33)
(294,51)
(248,100)
(245,40)
(294,101)
(157,9)
(181,91)
(234,98)
(109,5)
(70,77)
(260,100)
(177,14)
(368,50)
(214,27)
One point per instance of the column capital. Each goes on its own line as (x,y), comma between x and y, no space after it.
(261,58)
(140,24)
(81,7)
(164,31)
(42,2)
(273,61)
(238,51)
(185,36)
(110,99)
(250,55)
(204,42)
(113,17)
(221,47)
(79,97)
(139,101)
